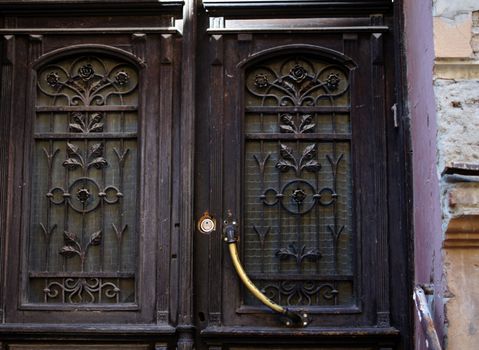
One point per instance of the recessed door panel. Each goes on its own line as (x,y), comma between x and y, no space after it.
(295,142)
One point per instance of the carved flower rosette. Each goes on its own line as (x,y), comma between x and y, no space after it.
(87,82)
(297,82)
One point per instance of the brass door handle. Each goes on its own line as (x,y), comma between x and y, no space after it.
(230,232)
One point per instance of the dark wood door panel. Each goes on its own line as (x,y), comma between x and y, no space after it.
(291,117)
(306,180)
(85,129)
(278,127)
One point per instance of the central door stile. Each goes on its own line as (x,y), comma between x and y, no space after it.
(380,181)
(217,137)
(185,323)
(166,99)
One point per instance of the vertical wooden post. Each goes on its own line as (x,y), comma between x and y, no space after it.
(187,137)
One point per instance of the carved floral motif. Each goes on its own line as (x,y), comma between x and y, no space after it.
(333,81)
(86,124)
(298,73)
(289,126)
(86,72)
(261,81)
(296,293)
(73,245)
(52,79)
(304,162)
(298,254)
(82,290)
(93,158)
(88,82)
(296,82)
(122,78)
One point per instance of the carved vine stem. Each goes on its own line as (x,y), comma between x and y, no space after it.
(262,231)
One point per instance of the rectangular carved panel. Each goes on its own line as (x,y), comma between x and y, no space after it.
(298,181)
(83,229)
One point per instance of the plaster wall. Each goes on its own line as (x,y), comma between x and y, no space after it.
(456,88)
(463,308)
(419,50)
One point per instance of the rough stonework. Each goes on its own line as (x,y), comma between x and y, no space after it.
(456,87)
(458,121)
(452,8)
(475,34)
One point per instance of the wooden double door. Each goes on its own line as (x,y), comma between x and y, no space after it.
(137,134)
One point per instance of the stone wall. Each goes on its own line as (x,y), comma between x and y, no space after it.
(456,86)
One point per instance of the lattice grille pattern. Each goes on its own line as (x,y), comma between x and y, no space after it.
(83,231)
(298,244)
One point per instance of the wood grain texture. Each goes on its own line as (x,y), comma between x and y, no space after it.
(8,54)
(379,111)
(191,112)
(186,181)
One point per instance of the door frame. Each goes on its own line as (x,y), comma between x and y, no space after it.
(397,136)
(184,317)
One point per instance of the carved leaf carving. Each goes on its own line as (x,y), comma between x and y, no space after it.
(298,254)
(286,128)
(312,166)
(312,254)
(75,127)
(72,163)
(288,125)
(284,165)
(95,238)
(72,150)
(284,253)
(79,123)
(287,153)
(98,163)
(69,251)
(97,127)
(96,150)
(309,152)
(70,238)
(306,123)
(96,118)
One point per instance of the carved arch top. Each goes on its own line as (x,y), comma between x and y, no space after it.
(297,75)
(90,49)
(87,76)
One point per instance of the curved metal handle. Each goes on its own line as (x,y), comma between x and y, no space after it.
(294,319)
